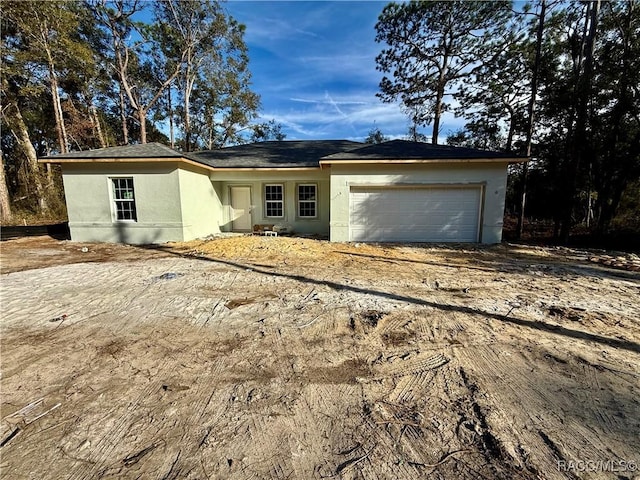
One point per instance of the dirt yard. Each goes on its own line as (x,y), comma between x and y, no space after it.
(285,358)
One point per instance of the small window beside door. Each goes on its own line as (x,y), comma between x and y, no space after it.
(274,201)
(124,200)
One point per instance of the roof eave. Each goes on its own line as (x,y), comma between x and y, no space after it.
(262,169)
(174,159)
(125,160)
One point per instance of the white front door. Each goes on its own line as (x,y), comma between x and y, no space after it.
(241,208)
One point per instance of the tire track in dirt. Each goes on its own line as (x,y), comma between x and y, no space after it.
(393,323)
(184,452)
(113,438)
(320,425)
(39,346)
(550,408)
(407,437)
(266,435)
(257,446)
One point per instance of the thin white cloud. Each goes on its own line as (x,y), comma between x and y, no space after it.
(270,23)
(358,68)
(340,112)
(316,101)
(334,104)
(305,100)
(332,116)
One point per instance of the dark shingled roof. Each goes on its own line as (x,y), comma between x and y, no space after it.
(292,154)
(284,154)
(406,150)
(142,150)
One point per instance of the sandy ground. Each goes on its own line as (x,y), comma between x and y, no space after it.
(293,358)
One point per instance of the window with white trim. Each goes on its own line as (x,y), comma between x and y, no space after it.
(124,200)
(274,201)
(307,200)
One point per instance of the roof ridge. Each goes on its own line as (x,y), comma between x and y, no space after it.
(399,149)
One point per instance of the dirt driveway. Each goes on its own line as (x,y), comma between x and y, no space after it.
(290,358)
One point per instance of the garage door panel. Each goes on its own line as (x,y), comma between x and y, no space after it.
(433,214)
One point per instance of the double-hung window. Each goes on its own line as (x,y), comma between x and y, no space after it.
(274,201)
(124,199)
(307,201)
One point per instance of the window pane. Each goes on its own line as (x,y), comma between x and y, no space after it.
(273,192)
(274,209)
(306,192)
(307,196)
(307,209)
(125,210)
(124,199)
(123,188)
(274,200)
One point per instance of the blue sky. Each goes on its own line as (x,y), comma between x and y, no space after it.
(313,64)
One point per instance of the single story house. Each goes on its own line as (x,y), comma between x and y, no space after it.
(397,191)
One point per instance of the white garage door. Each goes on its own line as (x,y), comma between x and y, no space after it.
(420,214)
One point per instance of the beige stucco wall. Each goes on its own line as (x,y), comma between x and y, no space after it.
(176,201)
(493,176)
(201,206)
(88,193)
(256,180)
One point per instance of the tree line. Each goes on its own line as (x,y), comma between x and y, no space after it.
(99,73)
(552,80)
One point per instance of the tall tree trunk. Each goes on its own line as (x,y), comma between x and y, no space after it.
(437,114)
(609,207)
(63,141)
(531,114)
(512,128)
(589,203)
(210,136)
(95,119)
(609,196)
(172,141)
(61,130)
(442,83)
(19,128)
(142,118)
(187,126)
(579,143)
(123,118)
(5,204)
(188,88)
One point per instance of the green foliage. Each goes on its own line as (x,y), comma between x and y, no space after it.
(213,84)
(432,47)
(43,48)
(270,130)
(590,148)
(627,217)
(482,134)
(375,136)
(495,100)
